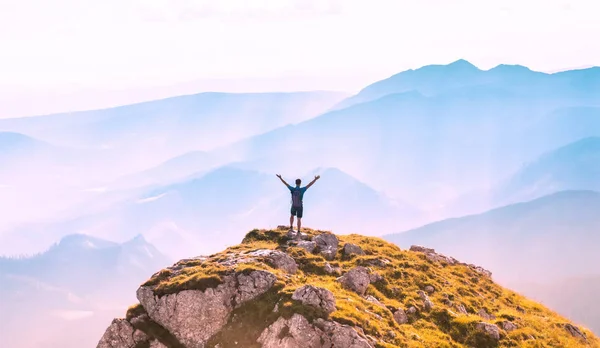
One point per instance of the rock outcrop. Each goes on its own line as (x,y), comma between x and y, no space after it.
(282,289)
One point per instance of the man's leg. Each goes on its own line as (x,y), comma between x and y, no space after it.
(291,222)
(299,212)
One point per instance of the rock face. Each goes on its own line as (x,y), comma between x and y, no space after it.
(121,334)
(316,297)
(194,316)
(327,245)
(357,280)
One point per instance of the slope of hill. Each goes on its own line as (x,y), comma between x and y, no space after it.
(573,297)
(430,80)
(279,289)
(62,297)
(539,240)
(575,166)
(545,249)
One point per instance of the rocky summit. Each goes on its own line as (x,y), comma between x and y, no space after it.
(315,289)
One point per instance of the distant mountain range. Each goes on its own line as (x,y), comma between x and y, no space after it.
(70,290)
(435,79)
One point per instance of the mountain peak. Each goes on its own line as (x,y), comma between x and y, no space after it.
(463,63)
(315,289)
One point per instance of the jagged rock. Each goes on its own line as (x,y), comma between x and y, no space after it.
(412,310)
(352,249)
(374,300)
(377,262)
(316,297)
(340,336)
(432,256)
(480,270)
(400,316)
(307,245)
(460,308)
(327,245)
(332,270)
(490,330)
(121,334)
(429,289)
(357,280)
(427,304)
(277,259)
(297,332)
(575,331)
(508,326)
(421,249)
(485,315)
(193,316)
(296,235)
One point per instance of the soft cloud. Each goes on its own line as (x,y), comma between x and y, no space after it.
(124,44)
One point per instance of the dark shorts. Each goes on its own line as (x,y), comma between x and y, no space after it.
(297,211)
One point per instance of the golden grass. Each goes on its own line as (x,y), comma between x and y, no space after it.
(405,274)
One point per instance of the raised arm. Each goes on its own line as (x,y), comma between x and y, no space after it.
(283,181)
(312,182)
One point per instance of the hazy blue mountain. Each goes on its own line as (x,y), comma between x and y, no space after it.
(575,166)
(583,85)
(71,290)
(171,126)
(432,149)
(542,240)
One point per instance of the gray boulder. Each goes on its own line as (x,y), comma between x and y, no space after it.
(327,245)
(357,280)
(508,326)
(316,297)
(277,259)
(427,304)
(352,249)
(490,330)
(193,316)
(307,245)
(400,316)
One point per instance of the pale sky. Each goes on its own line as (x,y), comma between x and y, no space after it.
(75,45)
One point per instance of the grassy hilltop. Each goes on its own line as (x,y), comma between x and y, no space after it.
(413,298)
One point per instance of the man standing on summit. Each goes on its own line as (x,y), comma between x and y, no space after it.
(297,195)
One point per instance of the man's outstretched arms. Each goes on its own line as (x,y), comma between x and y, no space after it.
(312,182)
(283,181)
